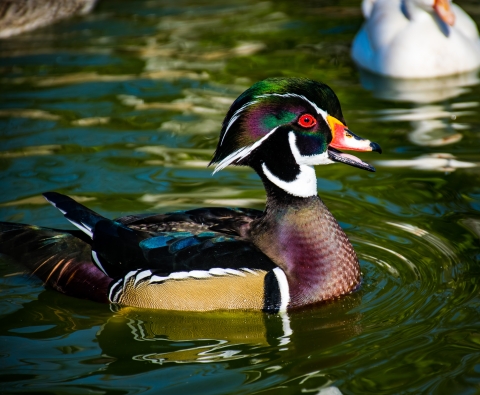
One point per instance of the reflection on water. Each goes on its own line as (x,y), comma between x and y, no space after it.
(421,91)
(431,125)
(439,162)
(184,338)
(221,336)
(122,108)
(131,342)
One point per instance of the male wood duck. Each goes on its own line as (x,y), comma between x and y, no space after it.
(292,254)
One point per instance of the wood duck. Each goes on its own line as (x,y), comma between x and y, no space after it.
(292,254)
(416,39)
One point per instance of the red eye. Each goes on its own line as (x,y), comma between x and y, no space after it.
(307,121)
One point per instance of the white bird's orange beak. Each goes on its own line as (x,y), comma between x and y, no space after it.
(444,11)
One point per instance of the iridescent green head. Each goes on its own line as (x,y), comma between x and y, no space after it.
(280,126)
(278,103)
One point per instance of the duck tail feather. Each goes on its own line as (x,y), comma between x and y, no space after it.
(59,258)
(79,215)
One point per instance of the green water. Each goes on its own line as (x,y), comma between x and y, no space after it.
(122,109)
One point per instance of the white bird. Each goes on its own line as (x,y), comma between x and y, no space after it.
(416,39)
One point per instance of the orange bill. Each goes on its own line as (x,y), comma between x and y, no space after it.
(444,11)
(343,138)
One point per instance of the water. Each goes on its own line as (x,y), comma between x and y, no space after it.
(122,109)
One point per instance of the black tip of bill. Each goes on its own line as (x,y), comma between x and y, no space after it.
(376,147)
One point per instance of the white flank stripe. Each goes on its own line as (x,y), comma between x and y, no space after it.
(140,276)
(235,272)
(178,275)
(130,274)
(112,288)
(117,294)
(97,262)
(242,152)
(199,274)
(217,271)
(284,289)
(157,279)
(249,271)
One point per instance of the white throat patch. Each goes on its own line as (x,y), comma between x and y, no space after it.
(305,185)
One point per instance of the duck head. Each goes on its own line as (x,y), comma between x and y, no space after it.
(282,127)
(441,8)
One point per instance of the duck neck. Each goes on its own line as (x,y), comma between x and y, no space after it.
(303,238)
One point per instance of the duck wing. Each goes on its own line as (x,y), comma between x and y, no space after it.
(197,239)
(192,260)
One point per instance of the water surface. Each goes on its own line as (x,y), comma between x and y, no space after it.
(122,109)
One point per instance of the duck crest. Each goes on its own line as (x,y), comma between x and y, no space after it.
(266,107)
(292,254)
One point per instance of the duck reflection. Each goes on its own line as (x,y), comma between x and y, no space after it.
(433,118)
(151,338)
(161,337)
(419,91)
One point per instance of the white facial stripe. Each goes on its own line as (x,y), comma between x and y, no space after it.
(241,153)
(236,116)
(319,159)
(240,110)
(318,109)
